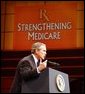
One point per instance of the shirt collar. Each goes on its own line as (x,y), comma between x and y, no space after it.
(35,59)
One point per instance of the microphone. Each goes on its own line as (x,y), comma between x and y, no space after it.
(53,63)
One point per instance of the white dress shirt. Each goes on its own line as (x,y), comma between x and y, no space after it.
(36,60)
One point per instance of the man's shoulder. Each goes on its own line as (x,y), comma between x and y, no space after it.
(26,58)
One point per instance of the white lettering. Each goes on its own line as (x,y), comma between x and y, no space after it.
(45,36)
(44,26)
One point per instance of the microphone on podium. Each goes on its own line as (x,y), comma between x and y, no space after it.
(53,63)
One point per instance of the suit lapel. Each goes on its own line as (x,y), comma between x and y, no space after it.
(32,61)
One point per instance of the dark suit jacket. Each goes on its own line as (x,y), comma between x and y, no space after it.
(26,70)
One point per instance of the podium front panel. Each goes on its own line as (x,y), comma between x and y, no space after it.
(46,83)
(53,86)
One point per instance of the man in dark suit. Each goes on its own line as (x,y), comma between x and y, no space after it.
(28,67)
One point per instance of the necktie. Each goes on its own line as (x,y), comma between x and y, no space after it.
(38,63)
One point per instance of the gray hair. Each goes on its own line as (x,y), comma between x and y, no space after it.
(36,45)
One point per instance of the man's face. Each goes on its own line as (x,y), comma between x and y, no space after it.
(41,53)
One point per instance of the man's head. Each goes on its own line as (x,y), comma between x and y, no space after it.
(39,49)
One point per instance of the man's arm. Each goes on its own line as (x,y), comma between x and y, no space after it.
(27,71)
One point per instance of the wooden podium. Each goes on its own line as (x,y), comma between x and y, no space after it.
(49,81)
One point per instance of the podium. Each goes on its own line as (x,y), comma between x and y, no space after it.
(49,81)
